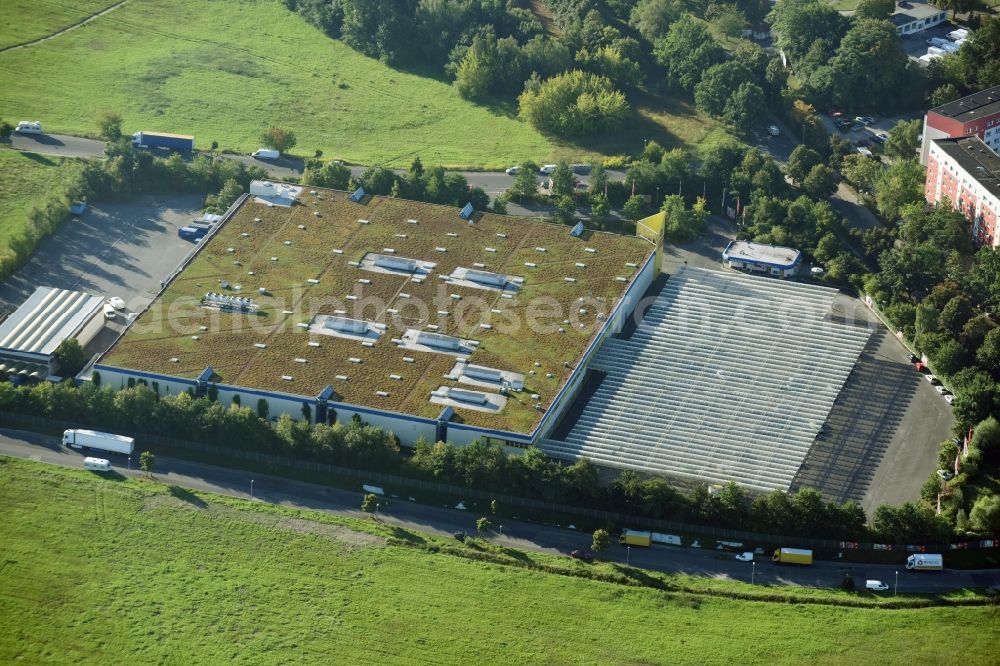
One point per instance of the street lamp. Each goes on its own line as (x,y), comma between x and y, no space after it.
(895,589)
(500,530)
(628,555)
(753,571)
(129,466)
(251,488)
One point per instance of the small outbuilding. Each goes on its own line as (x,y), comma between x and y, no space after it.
(760,258)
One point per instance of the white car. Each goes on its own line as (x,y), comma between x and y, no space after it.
(513,171)
(817,270)
(109,311)
(116,303)
(745,557)
(548,169)
(940,389)
(29,127)
(773,130)
(949,398)
(931,379)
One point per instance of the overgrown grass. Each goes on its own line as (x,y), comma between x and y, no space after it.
(24,20)
(27,181)
(99,570)
(223,71)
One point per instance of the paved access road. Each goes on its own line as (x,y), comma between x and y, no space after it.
(516,534)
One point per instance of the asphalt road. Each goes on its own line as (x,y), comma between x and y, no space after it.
(515,534)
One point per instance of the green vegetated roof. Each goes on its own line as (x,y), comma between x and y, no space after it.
(305,240)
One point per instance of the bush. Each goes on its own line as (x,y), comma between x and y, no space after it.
(573,104)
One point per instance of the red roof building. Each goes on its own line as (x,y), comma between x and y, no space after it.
(975,115)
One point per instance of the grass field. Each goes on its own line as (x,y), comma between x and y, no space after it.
(26,180)
(103,570)
(24,20)
(223,70)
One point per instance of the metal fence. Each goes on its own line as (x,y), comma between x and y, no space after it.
(458,493)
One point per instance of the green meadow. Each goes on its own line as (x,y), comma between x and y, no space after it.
(223,70)
(108,570)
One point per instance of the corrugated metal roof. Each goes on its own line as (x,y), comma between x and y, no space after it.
(46,318)
(729,377)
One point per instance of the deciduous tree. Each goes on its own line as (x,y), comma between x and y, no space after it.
(279,138)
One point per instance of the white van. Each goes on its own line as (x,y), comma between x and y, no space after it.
(28,127)
(96,464)
(266,154)
(548,169)
(876,586)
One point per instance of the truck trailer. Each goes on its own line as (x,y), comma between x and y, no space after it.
(792,556)
(636,538)
(99,441)
(179,142)
(925,562)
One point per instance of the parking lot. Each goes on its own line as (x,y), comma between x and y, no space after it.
(880,441)
(114,249)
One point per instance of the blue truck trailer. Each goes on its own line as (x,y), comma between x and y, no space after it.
(179,142)
(191,233)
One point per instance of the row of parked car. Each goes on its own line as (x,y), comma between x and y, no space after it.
(931,379)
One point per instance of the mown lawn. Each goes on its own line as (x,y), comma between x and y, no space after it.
(25,181)
(24,20)
(224,70)
(114,571)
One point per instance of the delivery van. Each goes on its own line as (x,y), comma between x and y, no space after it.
(96,464)
(266,154)
(876,586)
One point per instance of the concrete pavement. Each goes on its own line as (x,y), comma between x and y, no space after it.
(516,534)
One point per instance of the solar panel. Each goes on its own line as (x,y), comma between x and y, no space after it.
(358,195)
(467,212)
(577,230)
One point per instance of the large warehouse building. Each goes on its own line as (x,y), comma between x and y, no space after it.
(416,318)
(30,336)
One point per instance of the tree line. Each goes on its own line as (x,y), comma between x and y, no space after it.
(480,465)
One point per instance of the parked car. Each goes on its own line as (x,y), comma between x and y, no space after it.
(919,365)
(582,555)
(109,311)
(880,137)
(913,358)
(773,130)
(945,474)
(932,380)
(857,127)
(864,143)
(582,169)
(864,120)
(876,586)
(513,171)
(835,114)
(940,389)
(949,398)
(816,270)
(548,169)
(116,303)
(843,123)
(460,536)
(745,557)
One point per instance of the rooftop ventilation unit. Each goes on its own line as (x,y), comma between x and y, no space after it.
(396,263)
(229,303)
(345,325)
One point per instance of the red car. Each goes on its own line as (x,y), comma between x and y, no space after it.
(583,555)
(919,365)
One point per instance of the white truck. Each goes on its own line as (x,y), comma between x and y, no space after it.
(925,562)
(98,441)
(266,154)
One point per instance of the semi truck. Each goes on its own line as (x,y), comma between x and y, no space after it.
(925,562)
(98,441)
(179,142)
(792,556)
(636,538)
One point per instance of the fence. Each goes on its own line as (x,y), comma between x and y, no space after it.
(459,493)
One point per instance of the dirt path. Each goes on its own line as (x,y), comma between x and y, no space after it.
(83,21)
